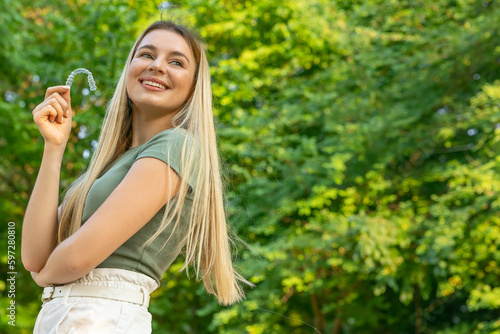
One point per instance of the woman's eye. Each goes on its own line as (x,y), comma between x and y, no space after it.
(145,54)
(177,63)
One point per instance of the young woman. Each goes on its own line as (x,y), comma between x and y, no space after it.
(153,187)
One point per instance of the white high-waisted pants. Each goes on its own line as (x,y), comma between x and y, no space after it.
(89,315)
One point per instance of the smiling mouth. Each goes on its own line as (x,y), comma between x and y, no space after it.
(154,84)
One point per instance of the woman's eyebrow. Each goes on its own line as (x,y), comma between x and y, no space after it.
(154,48)
(178,53)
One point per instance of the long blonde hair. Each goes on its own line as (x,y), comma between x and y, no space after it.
(207,245)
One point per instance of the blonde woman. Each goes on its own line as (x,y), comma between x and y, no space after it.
(152,187)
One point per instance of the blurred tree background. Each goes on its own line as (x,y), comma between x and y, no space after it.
(360,141)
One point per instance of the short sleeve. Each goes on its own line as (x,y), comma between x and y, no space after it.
(167,147)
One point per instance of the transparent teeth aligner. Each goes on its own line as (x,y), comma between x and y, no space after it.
(90,78)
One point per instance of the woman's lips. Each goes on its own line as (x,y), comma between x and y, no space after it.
(153,85)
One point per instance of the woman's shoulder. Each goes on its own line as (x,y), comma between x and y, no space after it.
(166,138)
(171,133)
(173,138)
(174,147)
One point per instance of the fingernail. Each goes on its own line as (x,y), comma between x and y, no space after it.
(66,87)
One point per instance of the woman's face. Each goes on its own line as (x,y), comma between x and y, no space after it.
(161,73)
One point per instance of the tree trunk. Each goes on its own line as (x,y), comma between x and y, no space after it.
(337,323)
(418,310)
(319,318)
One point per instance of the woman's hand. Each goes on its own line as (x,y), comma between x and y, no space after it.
(53,116)
(38,279)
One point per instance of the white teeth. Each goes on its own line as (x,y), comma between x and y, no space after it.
(154,84)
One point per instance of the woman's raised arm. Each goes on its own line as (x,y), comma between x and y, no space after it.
(39,231)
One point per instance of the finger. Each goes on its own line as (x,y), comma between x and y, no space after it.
(40,107)
(66,95)
(51,113)
(57,102)
(64,104)
(57,107)
(37,109)
(48,111)
(56,89)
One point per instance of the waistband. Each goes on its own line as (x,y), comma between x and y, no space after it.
(118,278)
(110,283)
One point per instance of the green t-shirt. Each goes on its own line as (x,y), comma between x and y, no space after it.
(165,146)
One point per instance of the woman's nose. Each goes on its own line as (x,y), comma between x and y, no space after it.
(157,67)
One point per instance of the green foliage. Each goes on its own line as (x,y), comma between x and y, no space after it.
(360,142)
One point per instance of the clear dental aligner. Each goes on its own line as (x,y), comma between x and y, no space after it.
(90,78)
